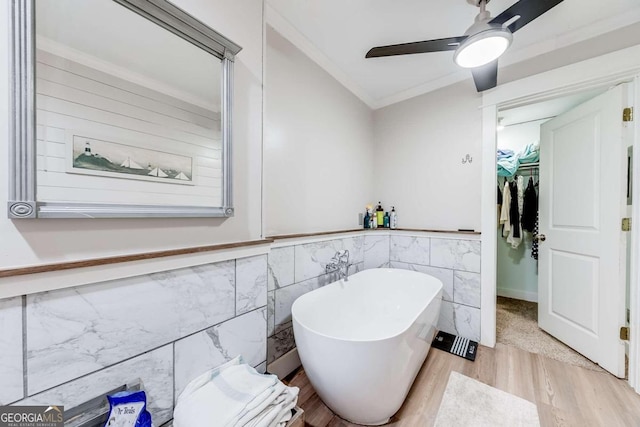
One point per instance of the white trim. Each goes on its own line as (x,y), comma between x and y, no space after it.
(512,57)
(577,35)
(489,242)
(288,31)
(423,88)
(40,282)
(284,241)
(605,70)
(516,294)
(286,364)
(608,69)
(589,31)
(634,303)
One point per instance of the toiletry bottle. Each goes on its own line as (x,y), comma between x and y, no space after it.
(387,220)
(374,220)
(380,215)
(394,218)
(367,219)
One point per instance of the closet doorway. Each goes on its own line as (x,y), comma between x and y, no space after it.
(552,268)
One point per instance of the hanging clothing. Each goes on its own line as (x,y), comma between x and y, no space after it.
(514,212)
(499,205)
(515,234)
(520,181)
(504,212)
(530,207)
(534,245)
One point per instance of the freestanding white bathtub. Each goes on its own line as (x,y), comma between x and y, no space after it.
(362,342)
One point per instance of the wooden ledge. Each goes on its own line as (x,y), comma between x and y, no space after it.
(371,230)
(44,268)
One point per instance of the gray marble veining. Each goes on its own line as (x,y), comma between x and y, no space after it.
(312,258)
(466,288)
(155,369)
(445,276)
(251,283)
(281,267)
(286,296)
(410,249)
(279,344)
(72,332)
(376,251)
(244,335)
(271,313)
(456,254)
(460,320)
(11,371)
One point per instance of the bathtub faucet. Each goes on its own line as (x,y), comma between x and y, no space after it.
(340,264)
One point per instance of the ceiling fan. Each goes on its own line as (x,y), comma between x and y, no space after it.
(483,42)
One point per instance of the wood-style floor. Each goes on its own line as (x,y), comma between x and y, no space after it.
(566,395)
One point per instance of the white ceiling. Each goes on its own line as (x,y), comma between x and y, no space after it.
(338,33)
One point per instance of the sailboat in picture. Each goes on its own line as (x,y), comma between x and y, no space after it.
(158,172)
(182,177)
(131,164)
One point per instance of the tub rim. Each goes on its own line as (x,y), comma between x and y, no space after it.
(438,293)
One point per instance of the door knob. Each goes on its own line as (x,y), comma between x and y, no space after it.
(539,238)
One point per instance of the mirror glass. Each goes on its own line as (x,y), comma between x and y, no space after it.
(127,112)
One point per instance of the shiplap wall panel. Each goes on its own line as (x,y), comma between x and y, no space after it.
(73,97)
(45,102)
(66,78)
(75,68)
(81,195)
(86,99)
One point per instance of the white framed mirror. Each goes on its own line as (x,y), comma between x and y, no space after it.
(121,109)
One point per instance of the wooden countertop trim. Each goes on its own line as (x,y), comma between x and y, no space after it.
(372,230)
(44,268)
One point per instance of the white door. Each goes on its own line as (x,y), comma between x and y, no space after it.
(582,202)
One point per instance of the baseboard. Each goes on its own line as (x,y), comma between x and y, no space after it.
(515,294)
(286,364)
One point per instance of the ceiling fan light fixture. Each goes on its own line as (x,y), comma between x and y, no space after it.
(482,48)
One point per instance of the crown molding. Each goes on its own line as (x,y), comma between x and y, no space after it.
(288,31)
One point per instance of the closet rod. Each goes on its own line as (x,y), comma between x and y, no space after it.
(529,166)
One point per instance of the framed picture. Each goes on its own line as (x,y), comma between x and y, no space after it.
(90,155)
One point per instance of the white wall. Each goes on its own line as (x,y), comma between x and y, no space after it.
(26,242)
(517,137)
(319,151)
(420,144)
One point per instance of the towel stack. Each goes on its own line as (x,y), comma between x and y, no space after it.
(235,394)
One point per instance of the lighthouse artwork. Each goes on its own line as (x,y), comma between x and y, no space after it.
(93,156)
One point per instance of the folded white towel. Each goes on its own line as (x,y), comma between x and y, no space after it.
(234,395)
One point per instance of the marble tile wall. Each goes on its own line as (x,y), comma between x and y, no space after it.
(297,269)
(11,369)
(167,327)
(164,328)
(457,263)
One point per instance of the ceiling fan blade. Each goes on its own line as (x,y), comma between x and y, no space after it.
(528,10)
(438,45)
(486,77)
